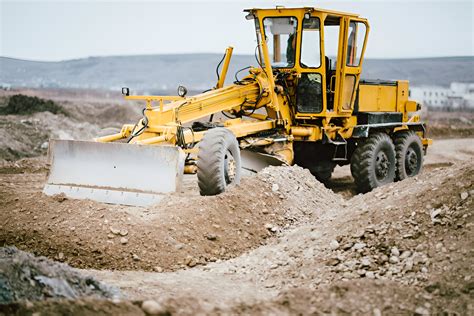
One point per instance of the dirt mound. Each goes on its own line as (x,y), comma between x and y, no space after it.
(403,248)
(20,104)
(303,194)
(28,135)
(406,249)
(182,231)
(360,297)
(21,138)
(26,277)
(357,297)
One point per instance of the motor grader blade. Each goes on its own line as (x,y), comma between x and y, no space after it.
(115,173)
(253,162)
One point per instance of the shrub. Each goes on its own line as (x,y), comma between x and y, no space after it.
(23,104)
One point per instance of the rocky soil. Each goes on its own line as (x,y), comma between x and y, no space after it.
(25,277)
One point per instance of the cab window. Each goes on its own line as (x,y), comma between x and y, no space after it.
(310,44)
(355,43)
(280,34)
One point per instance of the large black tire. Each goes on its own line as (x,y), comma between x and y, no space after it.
(322,170)
(373,162)
(409,154)
(219,163)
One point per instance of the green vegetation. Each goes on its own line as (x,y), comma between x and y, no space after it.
(21,104)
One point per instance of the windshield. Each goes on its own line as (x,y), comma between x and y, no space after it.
(280,35)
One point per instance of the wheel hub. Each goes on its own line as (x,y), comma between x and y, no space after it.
(229,168)
(382,165)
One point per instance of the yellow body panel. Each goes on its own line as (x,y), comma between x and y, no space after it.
(377,98)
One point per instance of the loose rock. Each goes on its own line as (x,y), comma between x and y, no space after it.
(151,307)
(114,231)
(334,244)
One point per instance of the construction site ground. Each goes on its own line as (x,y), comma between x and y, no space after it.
(279,243)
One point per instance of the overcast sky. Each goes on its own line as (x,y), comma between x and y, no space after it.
(58,30)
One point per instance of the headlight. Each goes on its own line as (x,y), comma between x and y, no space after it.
(182,91)
(125,91)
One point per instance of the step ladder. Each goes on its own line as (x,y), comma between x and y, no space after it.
(338,143)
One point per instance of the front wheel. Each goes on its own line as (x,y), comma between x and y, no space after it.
(373,162)
(219,163)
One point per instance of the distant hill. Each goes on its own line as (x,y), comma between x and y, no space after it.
(155,73)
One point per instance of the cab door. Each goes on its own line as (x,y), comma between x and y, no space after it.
(349,66)
(309,90)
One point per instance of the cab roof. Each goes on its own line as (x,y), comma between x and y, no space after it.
(306,9)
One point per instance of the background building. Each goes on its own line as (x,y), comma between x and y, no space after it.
(460,95)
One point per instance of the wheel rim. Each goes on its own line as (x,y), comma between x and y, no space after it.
(229,168)
(382,166)
(411,162)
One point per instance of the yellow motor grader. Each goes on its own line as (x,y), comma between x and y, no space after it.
(303,104)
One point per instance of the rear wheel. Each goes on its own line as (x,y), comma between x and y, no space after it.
(218,162)
(373,162)
(409,155)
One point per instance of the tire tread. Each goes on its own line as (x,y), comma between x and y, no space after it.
(361,161)
(401,141)
(209,165)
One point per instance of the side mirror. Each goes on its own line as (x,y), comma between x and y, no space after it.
(125,91)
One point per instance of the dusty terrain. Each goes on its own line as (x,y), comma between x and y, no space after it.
(450,124)
(280,243)
(88,114)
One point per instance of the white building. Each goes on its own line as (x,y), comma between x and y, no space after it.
(458,95)
(462,94)
(431,96)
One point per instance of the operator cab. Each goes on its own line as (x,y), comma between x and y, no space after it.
(318,52)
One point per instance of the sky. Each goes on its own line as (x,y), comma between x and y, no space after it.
(60,30)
